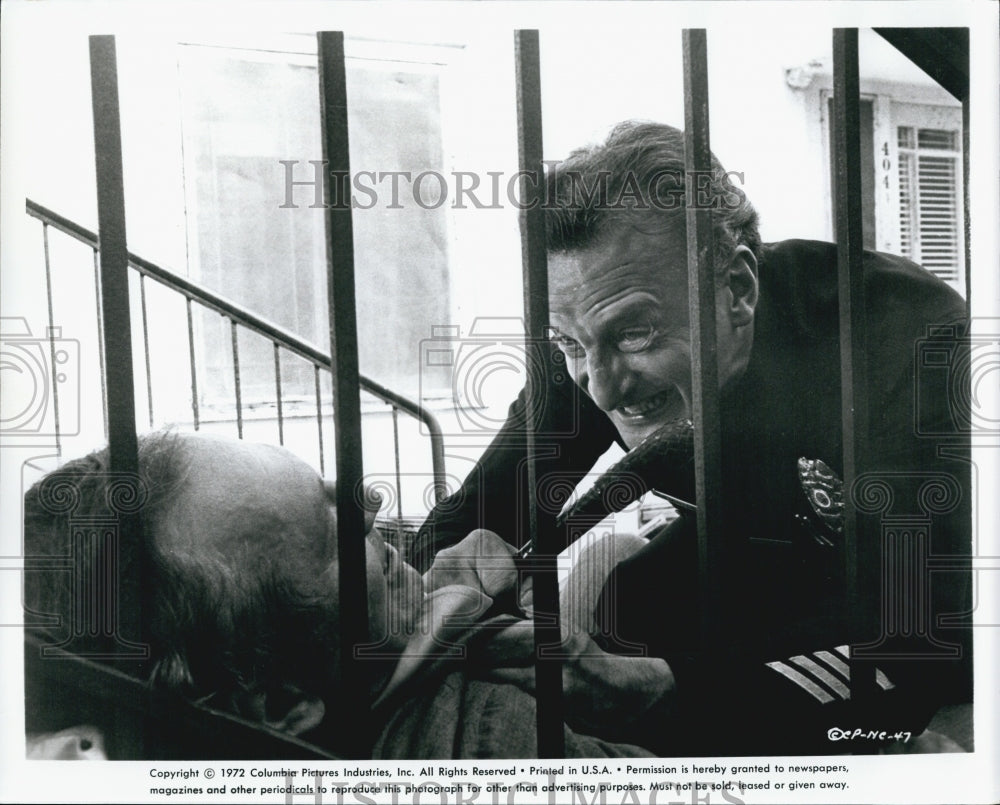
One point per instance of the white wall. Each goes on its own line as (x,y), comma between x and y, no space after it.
(761,126)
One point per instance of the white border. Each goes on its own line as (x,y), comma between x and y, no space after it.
(967,779)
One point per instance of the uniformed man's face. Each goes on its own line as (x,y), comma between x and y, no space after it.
(619,310)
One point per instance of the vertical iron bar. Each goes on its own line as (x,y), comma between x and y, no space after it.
(319,420)
(277,393)
(127,606)
(100,340)
(346,383)
(51,336)
(704,364)
(399,475)
(194,365)
(859,553)
(437,458)
(236,378)
(145,347)
(548,666)
(966,218)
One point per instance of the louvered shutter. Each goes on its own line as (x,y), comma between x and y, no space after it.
(929,217)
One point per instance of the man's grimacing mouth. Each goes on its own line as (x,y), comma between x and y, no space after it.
(647,406)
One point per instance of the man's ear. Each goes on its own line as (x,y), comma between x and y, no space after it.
(741,282)
(289,710)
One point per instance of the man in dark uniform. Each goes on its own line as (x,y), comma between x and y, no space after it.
(618,304)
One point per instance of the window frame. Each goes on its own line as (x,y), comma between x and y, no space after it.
(299,50)
(894,105)
(932,117)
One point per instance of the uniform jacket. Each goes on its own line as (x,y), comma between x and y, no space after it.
(788,610)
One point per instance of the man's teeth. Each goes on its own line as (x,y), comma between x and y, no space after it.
(647,405)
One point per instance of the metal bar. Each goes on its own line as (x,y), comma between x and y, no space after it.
(858,552)
(346,381)
(145,347)
(246,318)
(319,421)
(277,393)
(190,730)
(193,362)
(704,364)
(100,339)
(236,378)
(545,543)
(430,422)
(966,205)
(51,335)
(399,474)
(125,599)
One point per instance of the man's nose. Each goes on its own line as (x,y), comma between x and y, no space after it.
(606,377)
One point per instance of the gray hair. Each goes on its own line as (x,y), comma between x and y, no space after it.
(216,626)
(637,177)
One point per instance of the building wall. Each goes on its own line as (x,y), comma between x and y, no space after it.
(766,97)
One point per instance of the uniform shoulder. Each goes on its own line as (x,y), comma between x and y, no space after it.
(799,283)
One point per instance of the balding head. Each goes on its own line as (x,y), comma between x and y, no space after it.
(241,543)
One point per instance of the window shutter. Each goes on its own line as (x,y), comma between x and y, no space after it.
(928,199)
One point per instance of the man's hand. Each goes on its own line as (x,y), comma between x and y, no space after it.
(482,561)
(603,693)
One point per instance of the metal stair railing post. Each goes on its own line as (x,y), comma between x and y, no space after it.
(704,364)
(860,558)
(545,586)
(120,550)
(346,386)
(278,336)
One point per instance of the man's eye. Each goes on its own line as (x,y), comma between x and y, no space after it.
(569,346)
(636,339)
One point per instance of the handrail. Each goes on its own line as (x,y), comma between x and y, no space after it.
(276,333)
(213,733)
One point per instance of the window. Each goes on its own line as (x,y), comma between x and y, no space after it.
(243,112)
(929,170)
(911,162)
